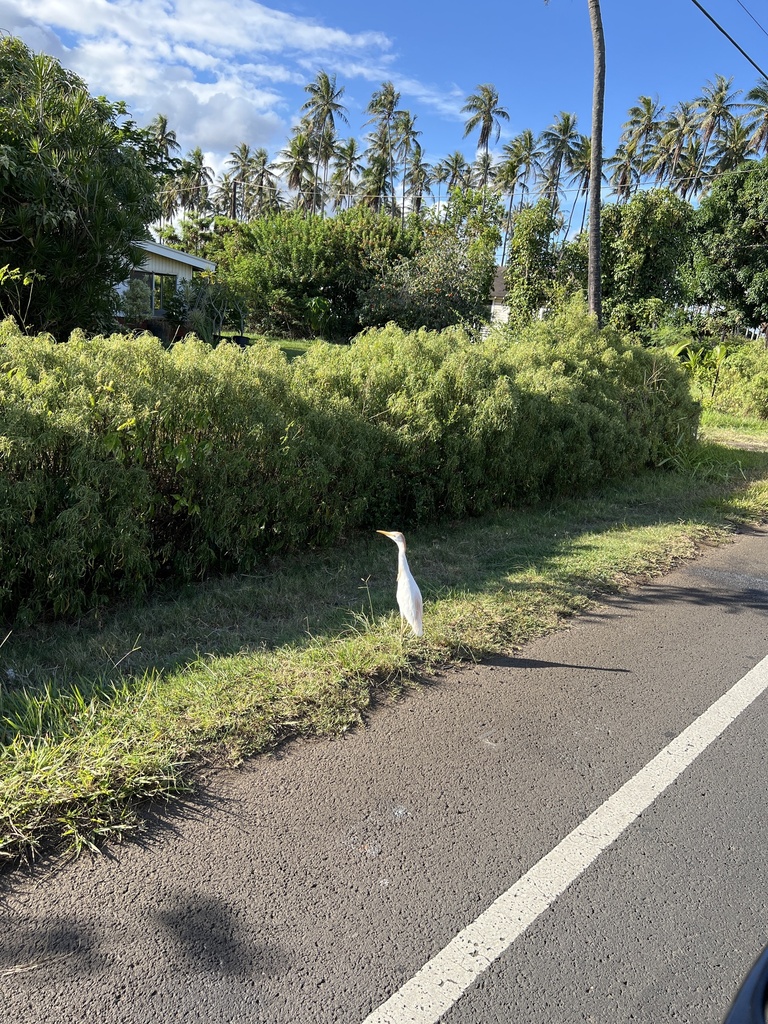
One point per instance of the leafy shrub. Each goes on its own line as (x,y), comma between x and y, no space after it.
(283,264)
(123,463)
(448,280)
(742,386)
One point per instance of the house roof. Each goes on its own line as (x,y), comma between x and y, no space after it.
(197,262)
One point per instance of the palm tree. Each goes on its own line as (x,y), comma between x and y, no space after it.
(596,165)
(379,154)
(240,164)
(676,132)
(323,107)
(164,164)
(483,170)
(690,174)
(224,196)
(195,179)
(295,164)
(439,176)
(383,110)
(641,130)
(485,114)
(596,168)
(347,168)
(531,155)
(758,115)
(716,105)
(406,135)
(375,189)
(418,174)
(508,178)
(559,142)
(581,169)
(625,171)
(457,170)
(732,147)
(264,194)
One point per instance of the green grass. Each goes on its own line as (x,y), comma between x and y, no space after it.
(291,346)
(725,429)
(99,714)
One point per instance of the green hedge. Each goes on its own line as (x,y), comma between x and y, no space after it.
(123,463)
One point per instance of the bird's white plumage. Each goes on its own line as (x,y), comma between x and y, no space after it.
(408,593)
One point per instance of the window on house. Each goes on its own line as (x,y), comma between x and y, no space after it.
(164,286)
(161,286)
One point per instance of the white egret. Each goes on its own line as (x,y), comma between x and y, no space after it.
(408,593)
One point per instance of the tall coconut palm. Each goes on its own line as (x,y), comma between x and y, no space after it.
(458,170)
(691,173)
(716,111)
(531,156)
(596,169)
(240,165)
(347,168)
(732,148)
(757,102)
(439,176)
(581,170)
(418,176)
(264,194)
(383,110)
(375,188)
(483,171)
(224,196)
(559,142)
(508,179)
(379,154)
(323,107)
(195,180)
(624,171)
(641,130)
(676,132)
(594,291)
(164,164)
(406,135)
(486,114)
(296,166)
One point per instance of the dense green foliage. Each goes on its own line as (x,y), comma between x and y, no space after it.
(741,383)
(448,279)
(732,243)
(645,256)
(529,273)
(123,463)
(74,195)
(301,275)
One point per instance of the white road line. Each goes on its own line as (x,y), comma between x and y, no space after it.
(441,982)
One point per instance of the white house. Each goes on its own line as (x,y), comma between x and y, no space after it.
(164,268)
(499,307)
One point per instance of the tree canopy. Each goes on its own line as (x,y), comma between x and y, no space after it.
(731,253)
(75,195)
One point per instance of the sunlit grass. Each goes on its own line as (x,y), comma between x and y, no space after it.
(99,714)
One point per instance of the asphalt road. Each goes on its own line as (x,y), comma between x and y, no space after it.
(311,886)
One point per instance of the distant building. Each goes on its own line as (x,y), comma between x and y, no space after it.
(499,308)
(163,269)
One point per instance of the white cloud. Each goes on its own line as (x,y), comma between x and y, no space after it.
(222,72)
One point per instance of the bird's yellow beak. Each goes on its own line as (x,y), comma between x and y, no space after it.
(387,533)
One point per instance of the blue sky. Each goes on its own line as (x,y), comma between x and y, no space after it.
(232,71)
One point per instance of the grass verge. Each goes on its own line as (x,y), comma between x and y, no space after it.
(98,715)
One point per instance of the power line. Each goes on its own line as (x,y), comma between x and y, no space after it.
(751,15)
(729,38)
